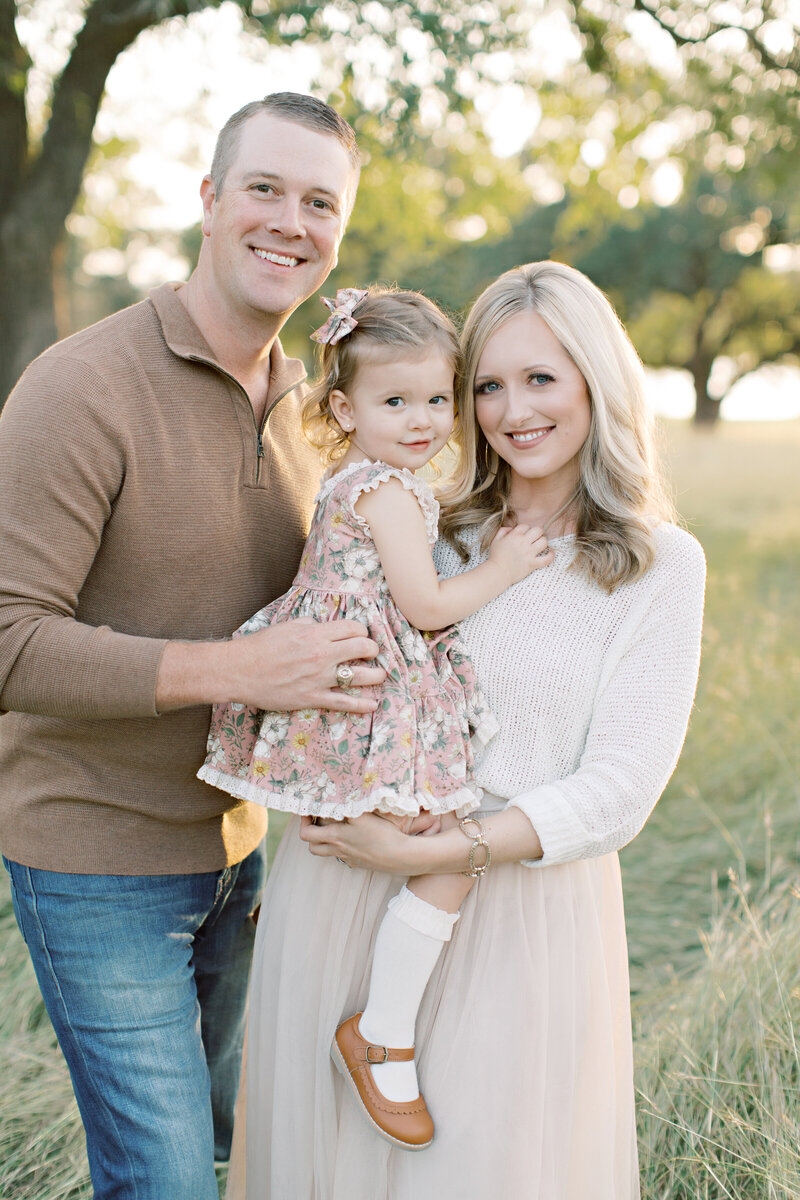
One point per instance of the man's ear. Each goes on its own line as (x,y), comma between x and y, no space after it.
(208,194)
(342,409)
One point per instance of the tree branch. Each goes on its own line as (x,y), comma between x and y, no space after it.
(14,63)
(679,39)
(767,60)
(110,27)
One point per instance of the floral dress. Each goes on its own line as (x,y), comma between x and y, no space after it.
(414,751)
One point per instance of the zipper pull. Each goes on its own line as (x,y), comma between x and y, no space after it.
(259,445)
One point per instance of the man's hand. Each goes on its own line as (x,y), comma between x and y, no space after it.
(287,666)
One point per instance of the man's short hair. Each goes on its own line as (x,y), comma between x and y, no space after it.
(291,106)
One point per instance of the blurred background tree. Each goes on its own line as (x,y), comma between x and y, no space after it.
(658,153)
(673,180)
(41,171)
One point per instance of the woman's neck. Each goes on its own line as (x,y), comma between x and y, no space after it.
(547,503)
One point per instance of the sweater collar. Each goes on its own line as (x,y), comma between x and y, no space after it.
(186,341)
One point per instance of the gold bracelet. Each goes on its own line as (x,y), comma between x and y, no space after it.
(478,840)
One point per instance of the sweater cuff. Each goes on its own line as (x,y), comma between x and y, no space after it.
(85,672)
(562,836)
(139,662)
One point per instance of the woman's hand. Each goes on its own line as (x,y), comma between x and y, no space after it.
(374,844)
(369,842)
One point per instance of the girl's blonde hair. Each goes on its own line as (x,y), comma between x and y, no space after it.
(620,494)
(391,323)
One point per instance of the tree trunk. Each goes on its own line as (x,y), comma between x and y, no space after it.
(706,410)
(27,319)
(37,194)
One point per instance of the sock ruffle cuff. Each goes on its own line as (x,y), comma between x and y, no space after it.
(424,917)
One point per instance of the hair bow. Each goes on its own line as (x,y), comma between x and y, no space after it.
(341,321)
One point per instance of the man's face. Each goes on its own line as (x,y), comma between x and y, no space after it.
(274,230)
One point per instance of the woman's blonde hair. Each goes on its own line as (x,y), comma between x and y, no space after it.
(390,322)
(620,494)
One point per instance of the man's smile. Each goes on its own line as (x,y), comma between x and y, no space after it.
(279,260)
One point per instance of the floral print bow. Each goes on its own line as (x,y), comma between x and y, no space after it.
(341,321)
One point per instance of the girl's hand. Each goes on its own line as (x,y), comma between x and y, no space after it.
(369,842)
(423,822)
(519,551)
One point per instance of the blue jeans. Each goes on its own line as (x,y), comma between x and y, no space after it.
(145,980)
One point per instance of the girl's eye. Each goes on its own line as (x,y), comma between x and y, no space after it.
(438,400)
(394,401)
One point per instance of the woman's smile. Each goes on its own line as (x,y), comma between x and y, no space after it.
(529,437)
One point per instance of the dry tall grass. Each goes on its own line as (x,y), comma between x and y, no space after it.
(712,883)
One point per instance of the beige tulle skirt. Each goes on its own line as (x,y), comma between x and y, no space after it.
(523,1041)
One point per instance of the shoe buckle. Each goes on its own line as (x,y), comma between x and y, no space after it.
(384,1050)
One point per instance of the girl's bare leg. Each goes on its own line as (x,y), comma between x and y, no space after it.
(447,892)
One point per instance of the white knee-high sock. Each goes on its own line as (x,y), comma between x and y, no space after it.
(409,942)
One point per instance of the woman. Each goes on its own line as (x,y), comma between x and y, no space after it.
(524,1039)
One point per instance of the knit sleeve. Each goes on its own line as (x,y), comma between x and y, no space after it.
(637,727)
(62,462)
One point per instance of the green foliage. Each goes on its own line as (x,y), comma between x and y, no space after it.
(716,101)
(761,318)
(422,51)
(680,249)
(414,204)
(665,331)
(688,297)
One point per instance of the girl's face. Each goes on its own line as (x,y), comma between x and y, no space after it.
(398,410)
(531,401)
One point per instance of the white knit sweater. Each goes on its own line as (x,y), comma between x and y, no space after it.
(593,692)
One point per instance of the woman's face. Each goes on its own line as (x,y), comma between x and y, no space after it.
(531,401)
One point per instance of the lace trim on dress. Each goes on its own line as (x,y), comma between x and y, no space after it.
(383,473)
(422,493)
(382,799)
(332,477)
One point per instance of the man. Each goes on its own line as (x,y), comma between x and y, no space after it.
(155,492)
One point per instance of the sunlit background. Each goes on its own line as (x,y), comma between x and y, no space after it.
(551,137)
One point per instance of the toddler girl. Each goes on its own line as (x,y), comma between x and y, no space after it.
(384,406)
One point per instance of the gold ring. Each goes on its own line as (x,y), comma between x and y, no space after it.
(344,675)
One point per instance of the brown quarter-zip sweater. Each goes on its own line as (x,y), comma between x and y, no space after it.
(139,503)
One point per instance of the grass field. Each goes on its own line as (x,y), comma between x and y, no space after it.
(712,886)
